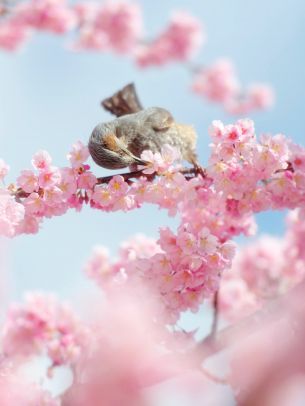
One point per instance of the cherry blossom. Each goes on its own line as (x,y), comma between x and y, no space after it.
(181,40)
(50,15)
(11,214)
(13,35)
(219,83)
(117,26)
(44,324)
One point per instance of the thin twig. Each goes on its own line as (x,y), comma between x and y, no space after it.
(226,337)
(214,327)
(214,378)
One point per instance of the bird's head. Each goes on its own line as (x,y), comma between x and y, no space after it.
(110,152)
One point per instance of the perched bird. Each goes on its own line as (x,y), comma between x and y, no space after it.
(119,143)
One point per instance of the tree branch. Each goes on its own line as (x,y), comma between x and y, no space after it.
(273,311)
(139,174)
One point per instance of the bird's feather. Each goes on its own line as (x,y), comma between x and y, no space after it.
(124,101)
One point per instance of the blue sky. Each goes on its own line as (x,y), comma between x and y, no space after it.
(49,98)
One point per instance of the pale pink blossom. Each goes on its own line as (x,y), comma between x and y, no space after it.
(261,96)
(117,186)
(102,197)
(49,177)
(28,181)
(121,23)
(41,160)
(13,35)
(50,15)
(86,180)
(179,42)
(160,162)
(44,323)
(217,82)
(208,243)
(115,25)
(99,267)
(155,161)
(68,183)
(78,155)
(53,196)
(34,204)
(16,390)
(256,97)
(11,214)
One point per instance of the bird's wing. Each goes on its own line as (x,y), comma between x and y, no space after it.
(124,101)
(159,119)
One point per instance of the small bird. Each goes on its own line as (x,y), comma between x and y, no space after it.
(119,143)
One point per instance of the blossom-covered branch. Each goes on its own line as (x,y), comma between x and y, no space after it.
(118,26)
(184,267)
(243,177)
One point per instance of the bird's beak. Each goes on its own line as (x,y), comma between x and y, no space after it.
(140,161)
(137,160)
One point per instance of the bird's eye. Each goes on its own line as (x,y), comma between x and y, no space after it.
(110,142)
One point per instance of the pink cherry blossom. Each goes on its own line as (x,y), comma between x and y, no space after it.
(218,82)
(41,160)
(43,323)
(102,197)
(179,42)
(28,181)
(49,15)
(13,35)
(11,214)
(78,155)
(207,242)
(15,390)
(121,24)
(160,162)
(34,204)
(86,180)
(115,25)
(117,186)
(49,177)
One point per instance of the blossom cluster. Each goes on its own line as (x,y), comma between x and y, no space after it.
(104,353)
(14,390)
(244,176)
(179,271)
(45,191)
(118,26)
(43,326)
(219,83)
(264,270)
(174,274)
(253,175)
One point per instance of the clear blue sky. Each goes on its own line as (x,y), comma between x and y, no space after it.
(49,98)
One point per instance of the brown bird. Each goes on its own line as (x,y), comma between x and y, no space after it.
(119,143)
